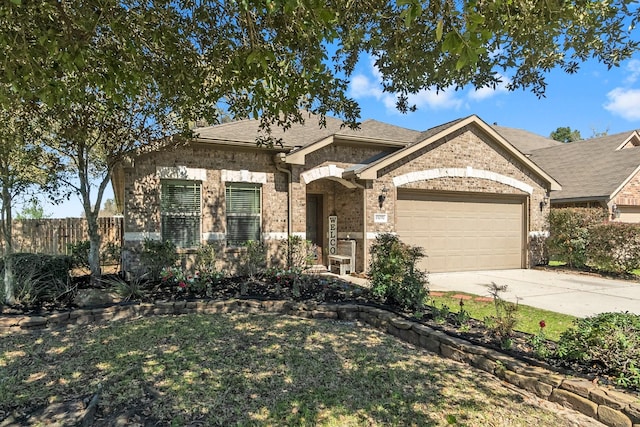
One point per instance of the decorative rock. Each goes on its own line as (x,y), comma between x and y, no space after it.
(94,297)
(400,323)
(633,411)
(452,353)
(33,322)
(578,386)
(612,418)
(573,401)
(611,398)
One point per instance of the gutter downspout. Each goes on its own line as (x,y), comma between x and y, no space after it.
(279,160)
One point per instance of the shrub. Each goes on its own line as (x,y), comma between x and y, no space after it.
(502,324)
(253,259)
(614,247)
(39,278)
(569,232)
(609,340)
(79,253)
(156,255)
(394,275)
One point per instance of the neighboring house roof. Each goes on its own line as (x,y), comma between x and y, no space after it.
(593,169)
(525,141)
(370,170)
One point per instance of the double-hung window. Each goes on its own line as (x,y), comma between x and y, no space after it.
(243,212)
(180,211)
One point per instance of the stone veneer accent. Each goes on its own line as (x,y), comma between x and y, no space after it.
(611,407)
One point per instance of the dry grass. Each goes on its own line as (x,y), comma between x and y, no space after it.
(254,370)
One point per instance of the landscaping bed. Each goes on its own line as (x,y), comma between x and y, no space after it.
(327,289)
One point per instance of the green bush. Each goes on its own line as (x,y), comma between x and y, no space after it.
(38,278)
(614,247)
(609,340)
(253,259)
(79,253)
(156,255)
(569,233)
(394,275)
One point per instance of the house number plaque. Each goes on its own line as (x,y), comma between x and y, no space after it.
(333,235)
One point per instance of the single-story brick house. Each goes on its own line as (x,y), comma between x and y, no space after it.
(598,172)
(460,190)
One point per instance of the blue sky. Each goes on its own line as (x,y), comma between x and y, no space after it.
(592,100)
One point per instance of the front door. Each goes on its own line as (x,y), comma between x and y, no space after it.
(315,224)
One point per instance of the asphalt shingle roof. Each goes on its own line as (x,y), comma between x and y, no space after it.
(526,142)
(246,131)
(589,169)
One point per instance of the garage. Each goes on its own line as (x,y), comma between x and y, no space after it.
(629,213)
(462,232)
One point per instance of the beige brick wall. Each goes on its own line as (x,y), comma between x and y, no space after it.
(630,193)
(142,189)
(468,147)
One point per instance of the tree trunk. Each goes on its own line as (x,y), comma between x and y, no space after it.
(94,248)
(7,234)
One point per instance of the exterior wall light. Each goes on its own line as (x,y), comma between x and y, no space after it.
(615,211)
(383,196)
(544,202)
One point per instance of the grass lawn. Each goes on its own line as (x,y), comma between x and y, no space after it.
(241,369)
(528,317)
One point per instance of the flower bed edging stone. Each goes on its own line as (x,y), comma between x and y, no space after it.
(611,407)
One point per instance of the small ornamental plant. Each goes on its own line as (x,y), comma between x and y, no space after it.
(539,341)
(175,276)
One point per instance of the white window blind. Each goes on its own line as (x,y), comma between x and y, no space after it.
(243,213)
(180,212)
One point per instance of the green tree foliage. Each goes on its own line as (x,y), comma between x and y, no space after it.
(271,58)
(33,210)
(565,134)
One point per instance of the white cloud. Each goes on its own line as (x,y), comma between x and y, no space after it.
(634,71)
(488,92)
(625,103)
(363,86)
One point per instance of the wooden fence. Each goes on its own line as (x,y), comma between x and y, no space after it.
(51,236)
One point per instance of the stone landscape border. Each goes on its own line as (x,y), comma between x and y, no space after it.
(611,407)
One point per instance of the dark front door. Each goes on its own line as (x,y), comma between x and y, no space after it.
(315,224)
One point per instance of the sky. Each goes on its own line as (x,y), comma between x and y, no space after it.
(594,100)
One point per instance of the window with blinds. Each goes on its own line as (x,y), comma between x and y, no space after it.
(243,213)
(180,212)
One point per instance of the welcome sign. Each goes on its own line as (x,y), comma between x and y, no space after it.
(333,235)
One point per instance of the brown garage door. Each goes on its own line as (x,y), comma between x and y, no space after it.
(462,233)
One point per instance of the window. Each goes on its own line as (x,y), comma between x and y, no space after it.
(243,213)
(180,212)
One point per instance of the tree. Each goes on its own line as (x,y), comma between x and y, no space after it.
(272,58)
(565,134)
(88,138)
(20,168)
(170,62)
(109,208)
(32,210)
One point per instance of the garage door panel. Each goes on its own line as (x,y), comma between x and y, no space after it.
(462,233)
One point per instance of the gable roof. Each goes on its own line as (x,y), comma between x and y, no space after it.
(592,169)
(369,171)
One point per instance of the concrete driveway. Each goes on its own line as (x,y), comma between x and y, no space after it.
(576,294)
